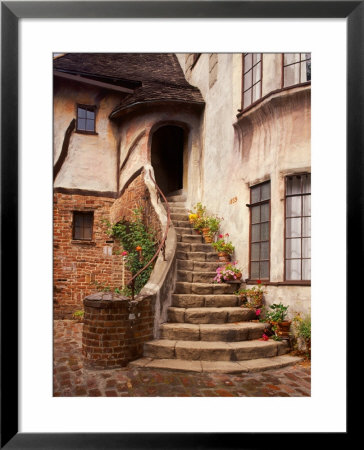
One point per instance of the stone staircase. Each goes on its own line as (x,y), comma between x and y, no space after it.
(207,329)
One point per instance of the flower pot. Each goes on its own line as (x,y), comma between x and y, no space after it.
(224,256)
(283,328)
(206,235)
(239,275)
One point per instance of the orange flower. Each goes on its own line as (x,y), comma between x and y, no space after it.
(138,249)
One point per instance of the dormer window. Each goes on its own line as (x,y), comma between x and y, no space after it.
(86,119)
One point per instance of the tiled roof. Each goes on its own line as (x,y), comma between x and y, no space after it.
(160,75)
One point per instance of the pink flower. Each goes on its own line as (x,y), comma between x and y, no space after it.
(258,311)
(124,253)
(221,236)
(264,338)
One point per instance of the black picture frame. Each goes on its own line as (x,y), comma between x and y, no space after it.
(11,12)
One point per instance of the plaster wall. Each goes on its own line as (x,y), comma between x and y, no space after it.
(267,142)
(91,160)
(136,132)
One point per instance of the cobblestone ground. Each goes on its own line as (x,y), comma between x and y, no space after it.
(71,379)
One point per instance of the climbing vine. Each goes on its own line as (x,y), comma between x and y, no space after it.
(139,244)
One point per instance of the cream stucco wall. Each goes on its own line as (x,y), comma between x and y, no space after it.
(267,142)
(91,160)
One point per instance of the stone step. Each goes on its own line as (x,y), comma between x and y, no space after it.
(176,198)
(184,224)
(227,332)
(197,256)
(179,216)
(194,239)
(174,204)
(214,351)
(197,265)
(195,277)
(193,247)
(178,210)
(206,314)
(199,301)
(254,365)
(205,288)
(183,230)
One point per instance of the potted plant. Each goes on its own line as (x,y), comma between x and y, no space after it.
(224,248)
(302,332)
(228,273)
(276,316)
(252,297)
(213,224)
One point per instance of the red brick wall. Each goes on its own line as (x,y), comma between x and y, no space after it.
(78,264)
(115,330)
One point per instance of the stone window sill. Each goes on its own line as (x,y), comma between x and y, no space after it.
(82,242)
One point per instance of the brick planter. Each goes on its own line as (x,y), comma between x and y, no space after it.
(115,329)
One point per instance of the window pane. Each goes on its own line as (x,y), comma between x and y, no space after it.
(255,252)
(307,205)
(264,269)
(257,57)
(306,183)
(255,194)
(255,233)
(266,191)
(293,227)
(264,250)
(87,233)
(247,80)
(81,113)
(293,207)
(255,214)
(306,248)
(256,92)
(78,233)
(264,232)
(292,75)
(78,219)
(308,70)
(306,226)
(306,269)
(264,212)
(293,269)
(293,185)
(254,267)
(90,115)
(81,124)
(290,58)
(247,98)
(293,248)
(247,62)
(90,125)
(256,72)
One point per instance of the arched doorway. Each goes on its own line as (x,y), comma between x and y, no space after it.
(167,157)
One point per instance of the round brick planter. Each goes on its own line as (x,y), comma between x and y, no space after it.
(115,330)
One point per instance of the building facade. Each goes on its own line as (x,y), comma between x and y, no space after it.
(229,130)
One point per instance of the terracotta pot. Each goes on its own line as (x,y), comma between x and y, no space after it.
(283,328)
(224,256)
(239,275)
(206,235)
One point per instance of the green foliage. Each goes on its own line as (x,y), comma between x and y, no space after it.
(277,314)
(134,235)
(101,286)
(303,326)
(79,314)
(223,245)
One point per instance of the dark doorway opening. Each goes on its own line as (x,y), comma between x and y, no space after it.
(167,158)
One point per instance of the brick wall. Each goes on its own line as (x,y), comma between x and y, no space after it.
(77,265)
(115,329)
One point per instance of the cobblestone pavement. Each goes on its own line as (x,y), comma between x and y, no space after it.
(71,379)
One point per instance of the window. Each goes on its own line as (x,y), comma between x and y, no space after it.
(252,78)
(82,225)
(298,227)
(260,231)
(86,118)
(296,68)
